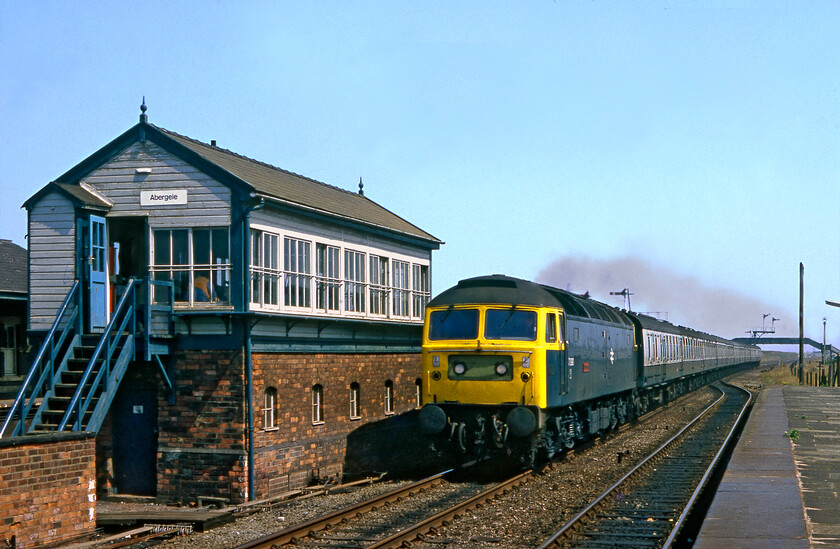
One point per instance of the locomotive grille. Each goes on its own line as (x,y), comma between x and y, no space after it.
(480,367)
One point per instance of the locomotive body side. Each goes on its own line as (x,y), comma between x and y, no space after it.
(600,360)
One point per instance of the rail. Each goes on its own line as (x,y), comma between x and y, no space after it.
(573,527)
(65,332)
(304,529)
(406,536)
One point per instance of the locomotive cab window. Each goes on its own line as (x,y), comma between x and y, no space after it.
(510,324)
(550,328)
(453,324)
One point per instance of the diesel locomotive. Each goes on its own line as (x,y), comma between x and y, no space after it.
(519,370)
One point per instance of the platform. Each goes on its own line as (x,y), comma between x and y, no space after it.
(111,515)
(774,493)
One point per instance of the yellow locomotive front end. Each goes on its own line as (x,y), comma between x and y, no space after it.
(485,355)
(488,345)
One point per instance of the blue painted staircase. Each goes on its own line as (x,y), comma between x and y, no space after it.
(75,376)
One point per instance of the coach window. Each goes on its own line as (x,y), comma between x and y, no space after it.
(317,404)
(269,404)
(389,397)
(355,401)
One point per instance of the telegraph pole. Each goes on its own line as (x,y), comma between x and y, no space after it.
(801,324)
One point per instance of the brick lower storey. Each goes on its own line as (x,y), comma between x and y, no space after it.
(202,438)
(47,489)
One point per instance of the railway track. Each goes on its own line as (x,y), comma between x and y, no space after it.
(388,520)
(648,506)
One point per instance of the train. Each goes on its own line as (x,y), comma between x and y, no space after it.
(522,371)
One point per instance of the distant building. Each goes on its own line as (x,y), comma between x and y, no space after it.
(266,315)
(13,296)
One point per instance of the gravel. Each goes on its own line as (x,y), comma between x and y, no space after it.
(522,518)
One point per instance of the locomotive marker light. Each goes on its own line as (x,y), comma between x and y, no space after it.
(501,368)
(459,368)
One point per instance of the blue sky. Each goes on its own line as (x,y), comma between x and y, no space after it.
(700,138)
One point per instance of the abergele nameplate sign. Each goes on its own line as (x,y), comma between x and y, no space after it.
(169,197)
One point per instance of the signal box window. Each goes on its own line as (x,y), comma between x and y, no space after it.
(420,292)
(354,281)
(378,285)
(389,397)
(402,285)
(269,407)
(196,261)
(317,405)
(418,392)
(296,260)
(328,278)
(355,401)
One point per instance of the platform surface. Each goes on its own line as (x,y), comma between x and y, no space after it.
(777,492)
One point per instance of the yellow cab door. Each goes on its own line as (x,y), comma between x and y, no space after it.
(554,355)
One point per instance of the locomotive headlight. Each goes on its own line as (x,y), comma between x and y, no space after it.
(459,368)
(501,368)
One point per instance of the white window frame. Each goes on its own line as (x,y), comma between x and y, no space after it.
(269,409)
(378,287)
(420,294)
(265,269)
(355,282)
(401,284)
(218,270)
(388,398)
(318,404)
(328,277)
(312,279)
(297,272)
(355,401)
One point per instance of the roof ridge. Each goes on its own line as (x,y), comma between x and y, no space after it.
(255,161)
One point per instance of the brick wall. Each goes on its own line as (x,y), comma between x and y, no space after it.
(47,488)
(296,451)
(202,448)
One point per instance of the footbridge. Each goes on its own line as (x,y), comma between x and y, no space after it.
(785,341)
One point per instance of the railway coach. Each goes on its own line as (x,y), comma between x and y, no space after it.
(521,370)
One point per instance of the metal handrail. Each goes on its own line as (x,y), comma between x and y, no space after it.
(21,403)
(77,404)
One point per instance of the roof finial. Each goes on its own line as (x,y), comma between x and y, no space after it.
(361,187)
(143,117)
